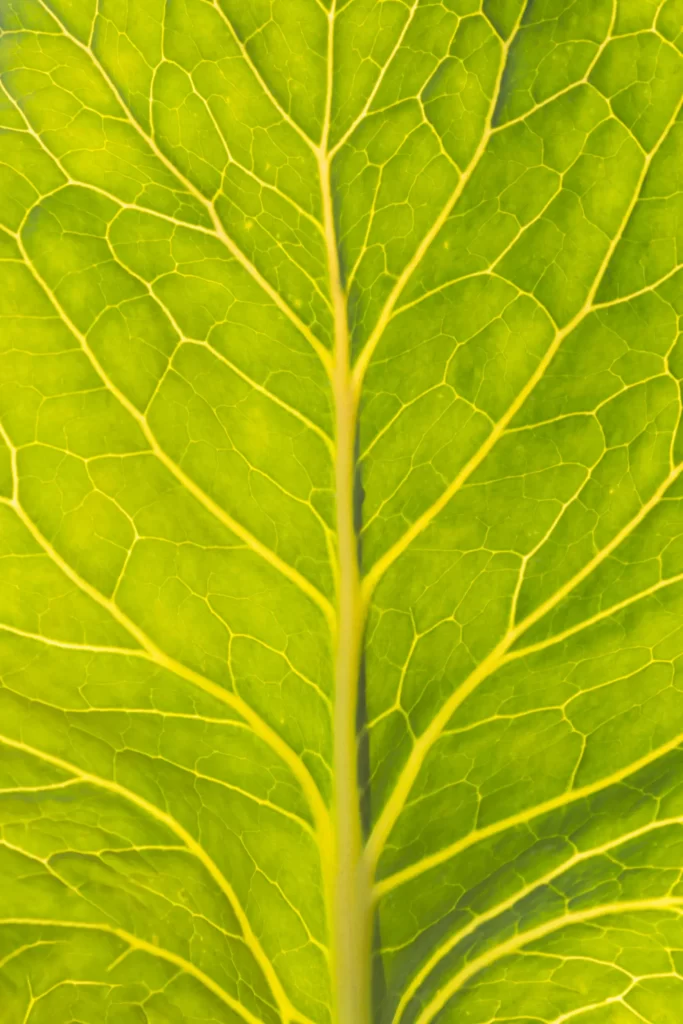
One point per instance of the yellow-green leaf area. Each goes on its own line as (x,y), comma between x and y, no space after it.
(341,512)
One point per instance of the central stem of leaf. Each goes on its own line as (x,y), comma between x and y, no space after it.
(351,897)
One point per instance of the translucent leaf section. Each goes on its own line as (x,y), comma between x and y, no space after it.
(341,512)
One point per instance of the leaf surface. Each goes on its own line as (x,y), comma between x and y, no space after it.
(341,558)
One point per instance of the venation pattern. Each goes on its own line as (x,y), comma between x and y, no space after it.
(499,241)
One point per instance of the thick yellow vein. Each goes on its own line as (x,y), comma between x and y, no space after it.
(197,850)
(349,897)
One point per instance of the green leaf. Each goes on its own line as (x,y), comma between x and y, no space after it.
(341,511)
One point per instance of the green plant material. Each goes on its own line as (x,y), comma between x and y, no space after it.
(341,527)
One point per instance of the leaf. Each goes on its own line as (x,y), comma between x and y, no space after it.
(340,512)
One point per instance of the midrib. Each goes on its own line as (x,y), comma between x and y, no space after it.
(351,897)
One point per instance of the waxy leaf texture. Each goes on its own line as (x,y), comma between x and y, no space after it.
(341,512)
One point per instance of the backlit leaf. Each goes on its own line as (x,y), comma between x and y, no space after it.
(341,527)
